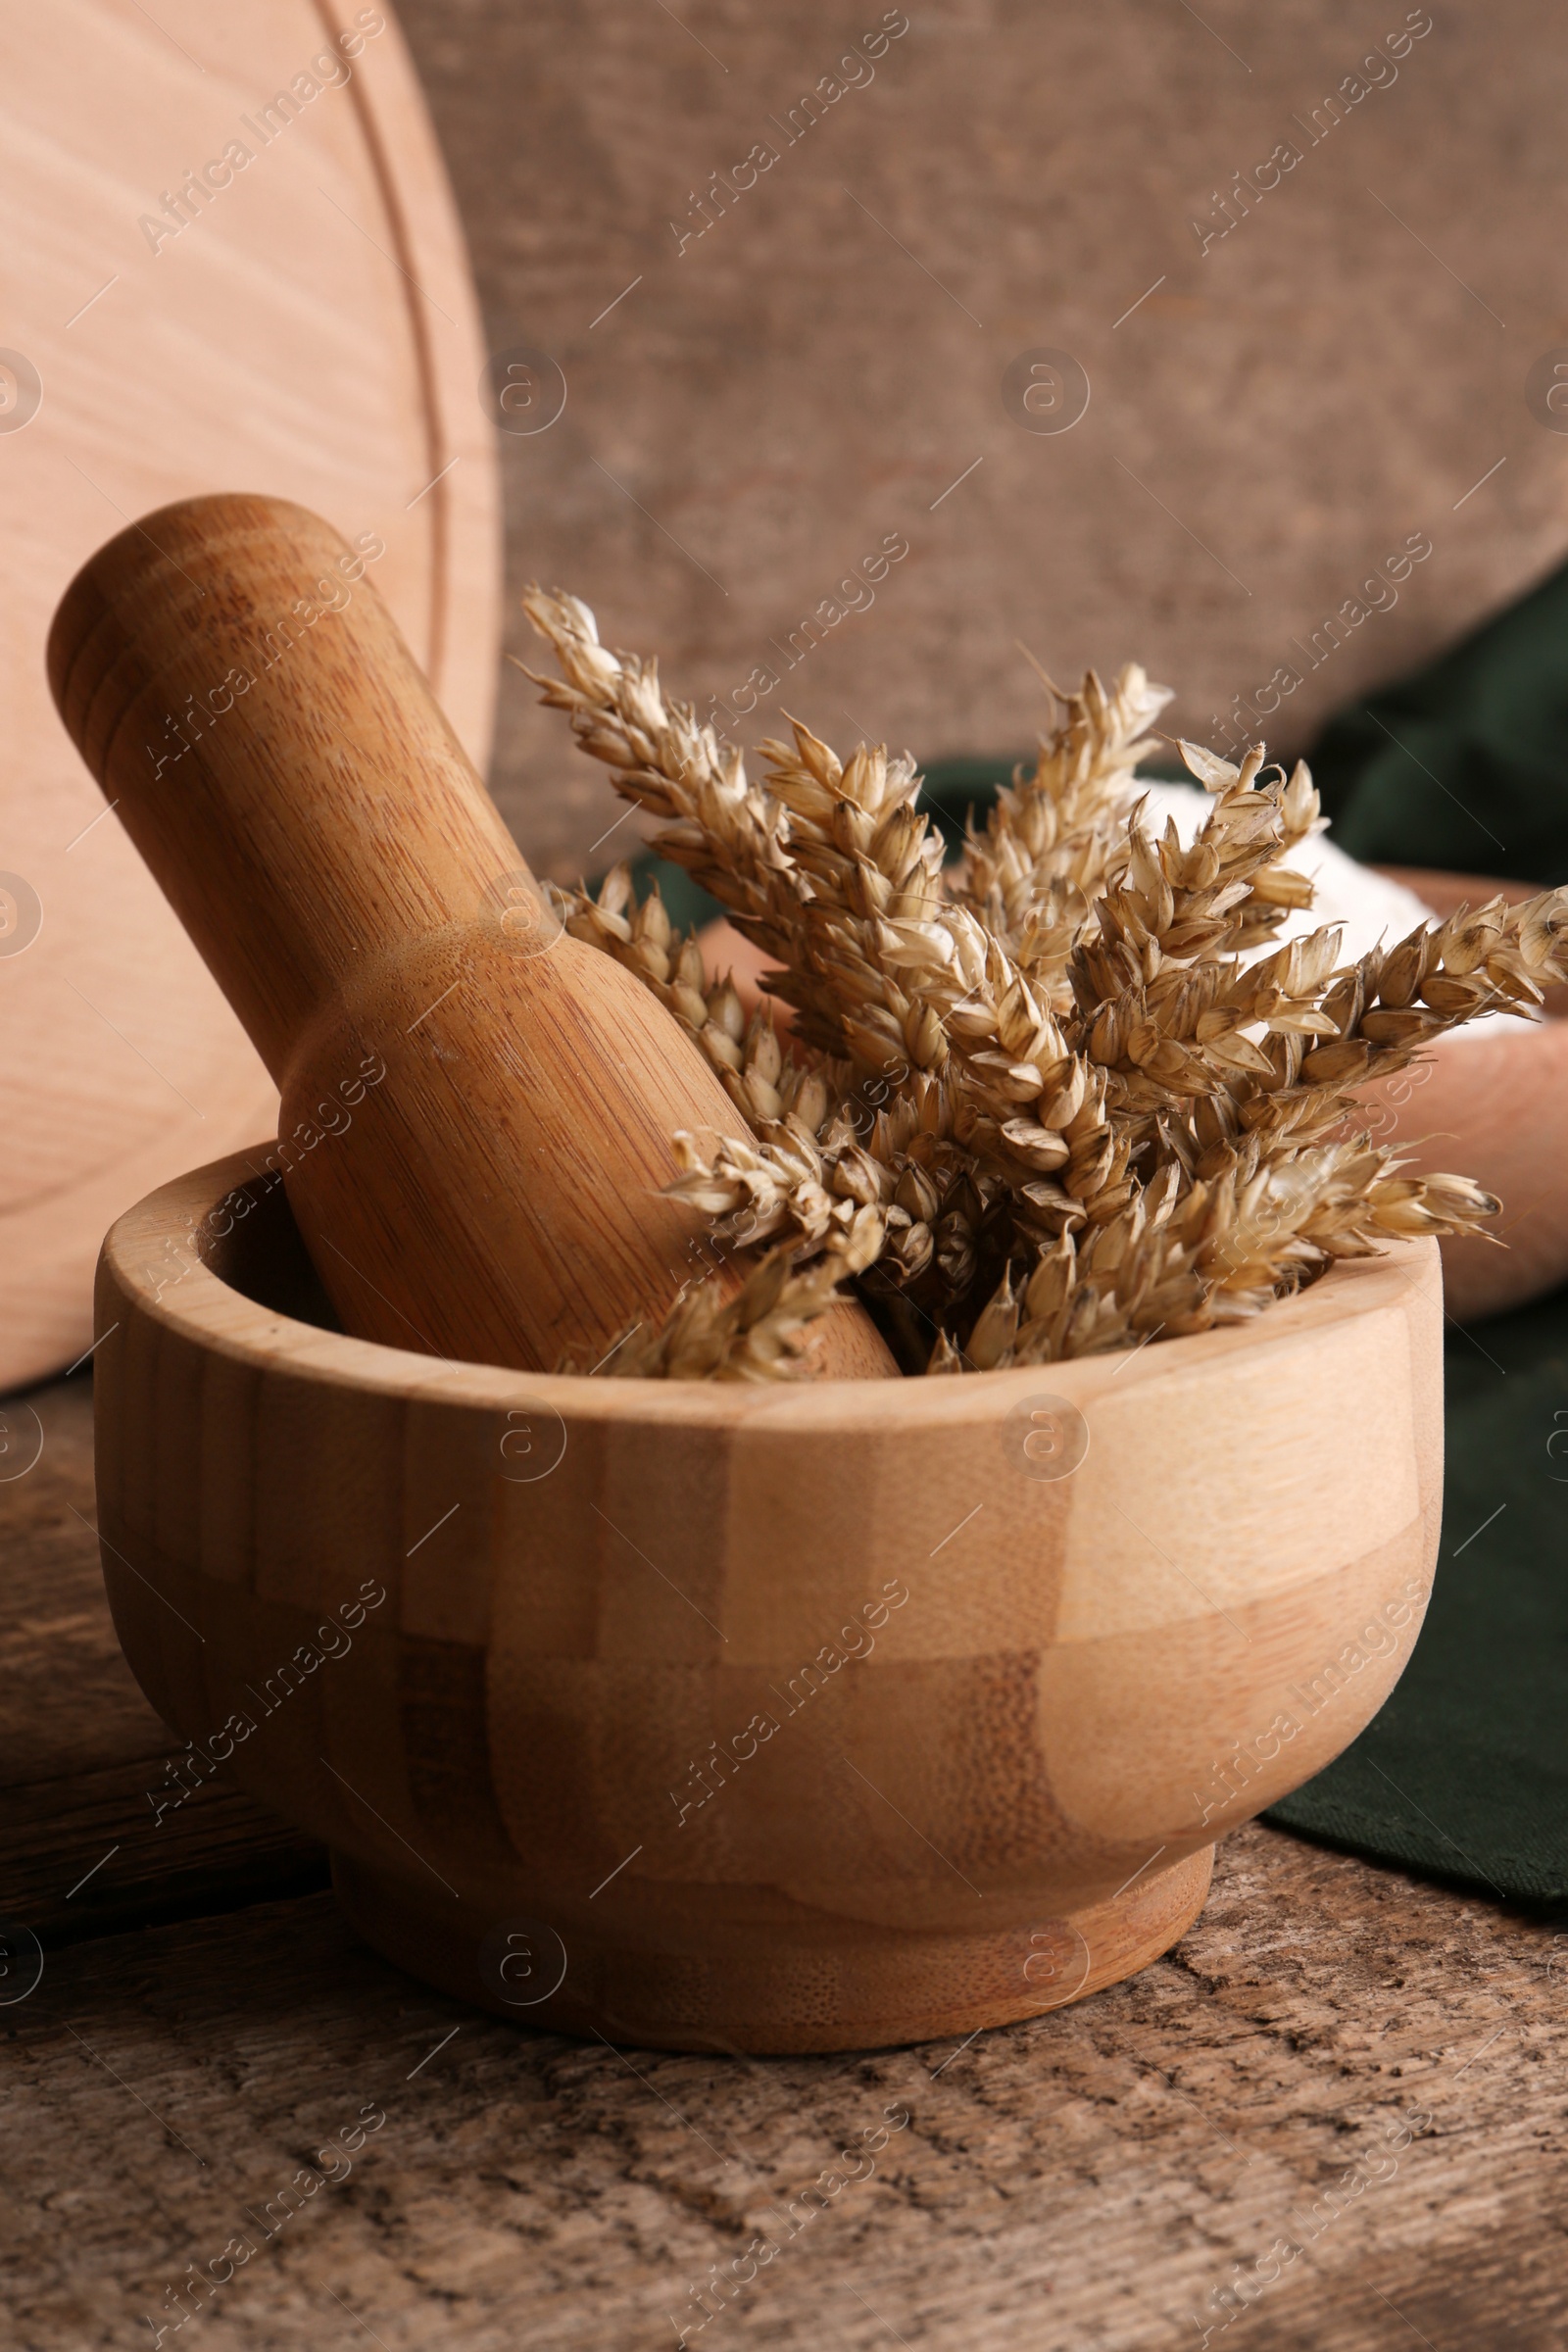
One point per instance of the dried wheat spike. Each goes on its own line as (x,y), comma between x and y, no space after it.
(1033,869)
(759,1334)
(1059,1101)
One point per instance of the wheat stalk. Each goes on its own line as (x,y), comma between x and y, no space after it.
(1060,1098)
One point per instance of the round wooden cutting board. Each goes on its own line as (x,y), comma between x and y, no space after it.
(306,327)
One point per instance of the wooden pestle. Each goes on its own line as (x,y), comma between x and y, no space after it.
(477,1109)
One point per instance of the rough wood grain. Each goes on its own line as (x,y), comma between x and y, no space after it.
(477,1111)
(1085,2182)
(310,332)
(788,1720)
(90,1856)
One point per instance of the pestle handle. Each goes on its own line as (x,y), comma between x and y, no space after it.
(477,1111)
(241,691)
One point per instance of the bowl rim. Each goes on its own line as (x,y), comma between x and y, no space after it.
(209,1312)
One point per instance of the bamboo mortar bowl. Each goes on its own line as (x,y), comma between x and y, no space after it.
(771,1719)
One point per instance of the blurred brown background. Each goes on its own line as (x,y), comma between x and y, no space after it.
(1267,426)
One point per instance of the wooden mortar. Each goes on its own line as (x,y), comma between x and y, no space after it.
(477,1111)
(1027,1640)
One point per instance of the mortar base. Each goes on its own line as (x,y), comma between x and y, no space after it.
(811,1983)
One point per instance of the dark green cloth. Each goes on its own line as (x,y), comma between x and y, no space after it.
(1463,764)
(1464,1773)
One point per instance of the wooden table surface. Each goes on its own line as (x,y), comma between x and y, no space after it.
(204,2023)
